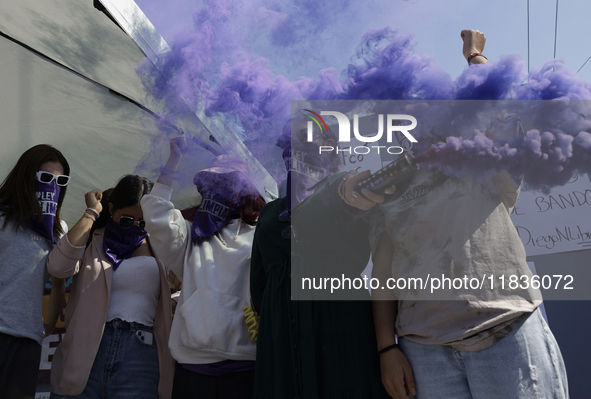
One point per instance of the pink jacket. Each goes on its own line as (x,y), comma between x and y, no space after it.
(86,314)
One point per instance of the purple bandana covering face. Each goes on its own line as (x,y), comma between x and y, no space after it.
(47,194)
(222,186)
(215,211)
(120,243)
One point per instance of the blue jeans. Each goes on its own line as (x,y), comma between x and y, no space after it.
(125,366)
(525,364)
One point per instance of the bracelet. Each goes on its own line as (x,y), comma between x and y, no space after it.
(387,348)
(341,188)
(475,55)
(89,216)
(96,213)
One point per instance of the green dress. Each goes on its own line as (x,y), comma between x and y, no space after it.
(313,349)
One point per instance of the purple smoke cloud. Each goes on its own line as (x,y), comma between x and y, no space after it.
(213,66)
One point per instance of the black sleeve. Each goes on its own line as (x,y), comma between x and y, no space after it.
(258,277)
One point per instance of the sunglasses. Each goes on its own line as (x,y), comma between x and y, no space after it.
(127,221)
(46,177)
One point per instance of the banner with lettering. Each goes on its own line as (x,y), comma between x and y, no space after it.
(556,222)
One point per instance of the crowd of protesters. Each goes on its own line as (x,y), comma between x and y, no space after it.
(236,331)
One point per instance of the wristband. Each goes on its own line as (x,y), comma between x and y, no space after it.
(387,348)
(89,217)
(96,213)
(475,55)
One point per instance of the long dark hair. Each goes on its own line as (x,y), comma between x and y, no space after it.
(18,202)
(128,192)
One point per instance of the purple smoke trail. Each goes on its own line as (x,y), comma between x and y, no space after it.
(544,158)
(385,68)
(212,66)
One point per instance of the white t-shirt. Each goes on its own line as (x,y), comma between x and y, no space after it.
(134,290)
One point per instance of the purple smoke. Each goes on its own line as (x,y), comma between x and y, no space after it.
(544,158)
(385,68)
(214,66)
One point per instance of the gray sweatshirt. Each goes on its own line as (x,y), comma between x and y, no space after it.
(23,254)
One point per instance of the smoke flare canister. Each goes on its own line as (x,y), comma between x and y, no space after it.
(393,174)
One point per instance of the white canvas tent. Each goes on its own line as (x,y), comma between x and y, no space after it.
(67,79)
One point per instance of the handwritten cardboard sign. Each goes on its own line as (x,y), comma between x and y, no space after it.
(556,222)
